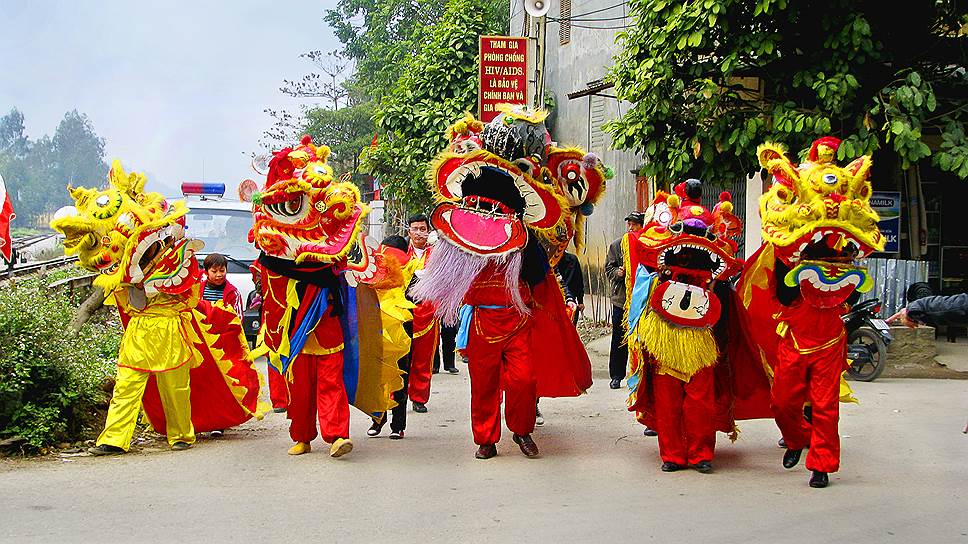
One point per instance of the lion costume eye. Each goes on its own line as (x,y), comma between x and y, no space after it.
(658,213)
(289,211)
(830,179)
(106,205)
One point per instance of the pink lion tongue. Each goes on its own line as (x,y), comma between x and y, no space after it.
(479,230)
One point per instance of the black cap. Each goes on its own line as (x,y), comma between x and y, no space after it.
(638,217)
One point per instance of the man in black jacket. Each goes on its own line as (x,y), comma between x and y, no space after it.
(938,310)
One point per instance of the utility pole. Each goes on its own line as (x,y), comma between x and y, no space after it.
(539,9)
(540,64)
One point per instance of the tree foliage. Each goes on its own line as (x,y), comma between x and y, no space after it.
(346,131)
(437,85)
(51,376)
(36,171)
(880,75)
(380,35)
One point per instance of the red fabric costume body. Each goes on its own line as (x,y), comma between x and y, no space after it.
(682,385)
(811,357)
(315,385)
(499,359)
(278,389)
(684,417)
(426,332)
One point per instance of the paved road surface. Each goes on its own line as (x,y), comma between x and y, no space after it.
(904,479)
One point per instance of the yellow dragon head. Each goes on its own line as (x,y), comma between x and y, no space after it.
(128,235)
(818,218)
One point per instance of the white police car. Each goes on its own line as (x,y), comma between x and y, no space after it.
(223,224)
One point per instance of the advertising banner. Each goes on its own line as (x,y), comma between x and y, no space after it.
(503,74)
(887,204)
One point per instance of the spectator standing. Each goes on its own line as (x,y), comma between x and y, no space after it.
(615,271)
(216,285)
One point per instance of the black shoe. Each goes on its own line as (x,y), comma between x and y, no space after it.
(703,466)
(527,445)
(486,451)
(420,408)
(217,433)
(180,446)
(376,427)
(538,418)
(452,370)
(650,432)
(105,449)
(435,371)
(396,435)
(615,384)
(819,479)
(279,410)
(791,458)
(781,443)
(669,466)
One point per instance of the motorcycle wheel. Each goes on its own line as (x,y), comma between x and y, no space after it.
(867,371)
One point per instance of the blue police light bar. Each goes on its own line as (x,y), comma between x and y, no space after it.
(207,189)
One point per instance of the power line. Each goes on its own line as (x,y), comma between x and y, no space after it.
(602,27)
(590,19)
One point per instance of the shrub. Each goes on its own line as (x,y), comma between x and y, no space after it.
(50,377)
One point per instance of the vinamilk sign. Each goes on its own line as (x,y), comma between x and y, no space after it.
(503,74)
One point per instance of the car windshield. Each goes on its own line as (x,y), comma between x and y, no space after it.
(225,232)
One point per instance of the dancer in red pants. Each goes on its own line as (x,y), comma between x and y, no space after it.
(490,273)
(499,359)
(811,357)
(426,326)
(683,419)
(306,224)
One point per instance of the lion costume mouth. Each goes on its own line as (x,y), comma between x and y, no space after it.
(490,203)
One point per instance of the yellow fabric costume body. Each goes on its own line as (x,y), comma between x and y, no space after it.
(154,343)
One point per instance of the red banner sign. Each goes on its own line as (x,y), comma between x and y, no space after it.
(504,74)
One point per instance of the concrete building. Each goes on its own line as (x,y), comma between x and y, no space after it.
(577,57)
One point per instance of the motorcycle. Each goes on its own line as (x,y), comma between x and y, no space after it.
(867,339)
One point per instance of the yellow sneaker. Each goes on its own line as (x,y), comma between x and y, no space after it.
(300,448)
(341,447)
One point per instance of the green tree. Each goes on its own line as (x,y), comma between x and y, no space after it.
(13,135)
(36,172)
(346,131)
(711,79)
(78,151)
(436,86)
(380,35)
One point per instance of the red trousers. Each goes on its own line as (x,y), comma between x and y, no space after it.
(800,377)
(684,417)
(278,389)
(499,360)
(422,351)
(317,390)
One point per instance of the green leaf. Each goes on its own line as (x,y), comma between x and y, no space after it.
(897,127)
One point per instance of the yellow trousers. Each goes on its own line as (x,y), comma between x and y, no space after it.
(175,392)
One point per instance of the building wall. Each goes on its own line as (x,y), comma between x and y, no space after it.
(569,67)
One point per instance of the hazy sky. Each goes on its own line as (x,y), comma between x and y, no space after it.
(168,84)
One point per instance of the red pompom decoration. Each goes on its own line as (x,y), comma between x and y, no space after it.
(306,139)
(725,196)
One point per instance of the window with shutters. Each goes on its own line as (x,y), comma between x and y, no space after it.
(596,118)
(564,23)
